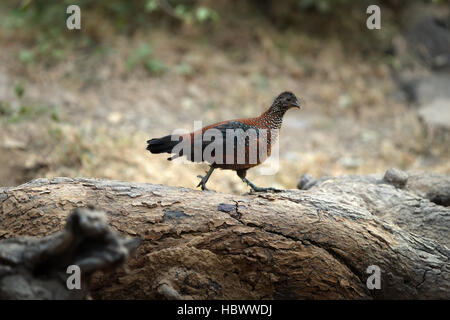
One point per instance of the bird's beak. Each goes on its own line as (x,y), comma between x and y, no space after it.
(296,104)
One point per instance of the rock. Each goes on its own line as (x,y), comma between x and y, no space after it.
(422,54)
(429,38)
(436,118)
(306,182)
(425,89)
(395,177)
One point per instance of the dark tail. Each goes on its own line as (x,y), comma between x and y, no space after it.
(161,145)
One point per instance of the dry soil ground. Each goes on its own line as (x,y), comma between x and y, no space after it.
(90,115)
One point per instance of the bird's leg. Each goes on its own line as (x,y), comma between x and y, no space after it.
(259,189)
(205,178)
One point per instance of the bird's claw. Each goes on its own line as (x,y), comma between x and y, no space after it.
(254,188)
(258,189)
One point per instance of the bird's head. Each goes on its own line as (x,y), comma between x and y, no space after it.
(284,102)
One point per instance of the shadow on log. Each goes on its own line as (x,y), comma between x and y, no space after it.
(298,244)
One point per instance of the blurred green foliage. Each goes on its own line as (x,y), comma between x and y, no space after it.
(23,110)
(143,57)
(124,14)
(19,90)
(142,54)
(27,111)
(128,15)
(187,11)
(184,69)
(323,6)
(43,22)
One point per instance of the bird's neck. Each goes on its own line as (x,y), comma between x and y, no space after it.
(272,120)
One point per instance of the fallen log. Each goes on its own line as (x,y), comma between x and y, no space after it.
(298,244)
(59,266)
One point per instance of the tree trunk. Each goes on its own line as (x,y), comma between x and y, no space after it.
(312,244)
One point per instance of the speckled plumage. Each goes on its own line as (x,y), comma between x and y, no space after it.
(268,123)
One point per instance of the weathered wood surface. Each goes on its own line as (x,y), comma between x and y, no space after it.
(36,267)
(311,244)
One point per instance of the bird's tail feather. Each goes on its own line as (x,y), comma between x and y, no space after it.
(161,145)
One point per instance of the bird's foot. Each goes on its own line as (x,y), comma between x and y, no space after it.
(202,182)
(260,189)
(254,188)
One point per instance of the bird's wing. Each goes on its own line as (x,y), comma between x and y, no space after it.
(236,137)
(226,130)
(233,135)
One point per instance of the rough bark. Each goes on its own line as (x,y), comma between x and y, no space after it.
(298,244)
(36,268)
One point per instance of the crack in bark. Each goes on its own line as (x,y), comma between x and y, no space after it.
(423,279)
(341,259)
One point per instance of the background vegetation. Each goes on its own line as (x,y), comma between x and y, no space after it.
(84,102)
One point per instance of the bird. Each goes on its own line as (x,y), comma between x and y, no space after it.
(238,150)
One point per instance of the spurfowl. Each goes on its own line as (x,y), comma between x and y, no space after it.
(237,145)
